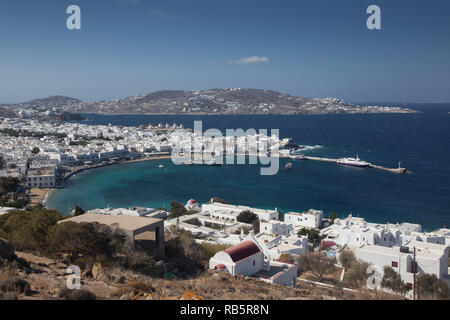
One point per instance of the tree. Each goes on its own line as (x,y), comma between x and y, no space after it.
(27,230)
(357,274)
(256,226)
(78,211)
(332,216)
(429,286)
(90,242)
(312,234)
(347,258)
(177,210)
(393,281)
(246,217)
(35,150)
(315,262)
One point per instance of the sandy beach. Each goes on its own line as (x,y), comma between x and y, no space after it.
(38,196)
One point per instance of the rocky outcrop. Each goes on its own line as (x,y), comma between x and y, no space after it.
(6,250)
(98,272)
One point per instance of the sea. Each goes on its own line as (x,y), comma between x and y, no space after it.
(421,142)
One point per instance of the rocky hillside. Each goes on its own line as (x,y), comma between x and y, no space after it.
(57,102)
(25,276)
(214,101)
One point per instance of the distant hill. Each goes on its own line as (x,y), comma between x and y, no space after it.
(57,102)
(213,101)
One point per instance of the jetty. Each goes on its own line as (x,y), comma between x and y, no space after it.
(398,170)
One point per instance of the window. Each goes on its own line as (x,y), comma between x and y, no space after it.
(395,264)
(254,262)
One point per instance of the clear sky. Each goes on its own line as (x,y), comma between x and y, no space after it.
(312,48)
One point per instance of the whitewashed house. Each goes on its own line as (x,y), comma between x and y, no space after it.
(311,219)
(274,227)
(430,258)
(247,259)
(230,212)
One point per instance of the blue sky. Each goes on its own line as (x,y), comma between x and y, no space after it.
(312,48)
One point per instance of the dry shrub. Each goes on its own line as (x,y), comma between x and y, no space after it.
(142,286)
(9,296)
(15,284)
(82,294)
(8,271)
(211,249)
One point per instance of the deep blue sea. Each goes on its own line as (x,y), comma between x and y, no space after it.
(421,142)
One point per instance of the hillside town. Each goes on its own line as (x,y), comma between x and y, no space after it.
(261,244)
(269,249)
(45,153)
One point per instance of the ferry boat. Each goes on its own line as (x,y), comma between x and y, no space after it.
(288,166)
(354,162)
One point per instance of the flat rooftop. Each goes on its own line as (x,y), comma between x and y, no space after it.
(130,223)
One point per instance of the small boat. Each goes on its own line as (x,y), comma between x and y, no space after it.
(160,166)
(354,162)
(288,166)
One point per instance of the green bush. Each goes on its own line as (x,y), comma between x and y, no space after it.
(393,281)
(27,230)
(177,210)
(313,234)
(246,217)
(429,286)
(89,242)
(356,275)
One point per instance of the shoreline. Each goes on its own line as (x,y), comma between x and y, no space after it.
(43,195)
(245,114)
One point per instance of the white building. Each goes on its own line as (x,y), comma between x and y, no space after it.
(131,212)
(430,258)
(247,259)
(309,219)
(275,246)
(274,227)
(192,205)
(355,231)
(230,212)
(41,178)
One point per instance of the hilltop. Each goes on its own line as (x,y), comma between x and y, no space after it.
(213,101)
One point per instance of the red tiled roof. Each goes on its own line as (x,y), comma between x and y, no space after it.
(242,250)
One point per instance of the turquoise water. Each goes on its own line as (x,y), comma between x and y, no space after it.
(420,141)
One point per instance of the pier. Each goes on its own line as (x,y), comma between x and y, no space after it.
(398,170)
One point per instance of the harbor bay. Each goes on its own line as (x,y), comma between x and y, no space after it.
(418,141)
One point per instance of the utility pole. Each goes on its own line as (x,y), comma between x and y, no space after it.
(414,273)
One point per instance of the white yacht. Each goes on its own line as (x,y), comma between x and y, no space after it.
(355,162)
